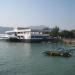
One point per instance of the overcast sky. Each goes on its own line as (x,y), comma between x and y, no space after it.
(38,12)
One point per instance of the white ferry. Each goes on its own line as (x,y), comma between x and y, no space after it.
(21,34)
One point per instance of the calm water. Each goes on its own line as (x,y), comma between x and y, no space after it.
(27,59)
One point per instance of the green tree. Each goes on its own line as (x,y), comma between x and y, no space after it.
(73,31)
(66,34)
(55,31)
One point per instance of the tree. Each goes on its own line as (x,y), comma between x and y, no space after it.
(67,34)
(55,32)
(73,31)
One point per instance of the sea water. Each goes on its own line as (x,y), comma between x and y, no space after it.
(28,59)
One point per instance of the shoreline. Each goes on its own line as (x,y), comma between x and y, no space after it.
(69,41)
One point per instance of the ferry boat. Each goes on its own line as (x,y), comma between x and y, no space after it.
(21,34)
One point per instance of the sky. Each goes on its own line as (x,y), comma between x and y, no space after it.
(38,12)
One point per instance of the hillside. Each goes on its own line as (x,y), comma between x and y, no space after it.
(3,29)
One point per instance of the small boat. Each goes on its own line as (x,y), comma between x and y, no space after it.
(58,53)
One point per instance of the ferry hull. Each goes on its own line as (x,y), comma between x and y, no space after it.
(29,40)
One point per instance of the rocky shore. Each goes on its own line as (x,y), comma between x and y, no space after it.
(69,41)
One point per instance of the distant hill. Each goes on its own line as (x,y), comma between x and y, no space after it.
(3,29)
(40,27)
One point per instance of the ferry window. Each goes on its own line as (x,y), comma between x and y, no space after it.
(32,37)
(22,37)
(18,32)
(15,34)
(19,37)
(36,36)
(32,32)
(40,32)
(36,32)
(21,32)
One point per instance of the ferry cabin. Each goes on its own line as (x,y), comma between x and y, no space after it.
(27,34)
